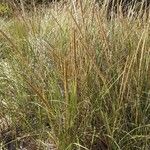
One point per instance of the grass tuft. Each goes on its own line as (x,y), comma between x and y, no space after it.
(70,78)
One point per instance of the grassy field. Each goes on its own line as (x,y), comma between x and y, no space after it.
(70,79)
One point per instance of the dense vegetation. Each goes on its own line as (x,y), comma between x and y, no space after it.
(72,79)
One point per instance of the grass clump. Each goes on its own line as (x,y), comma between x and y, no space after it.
(71,79)
(5,10)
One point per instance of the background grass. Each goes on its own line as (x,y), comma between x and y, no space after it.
(72,79)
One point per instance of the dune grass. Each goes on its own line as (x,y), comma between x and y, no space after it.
(72,79)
